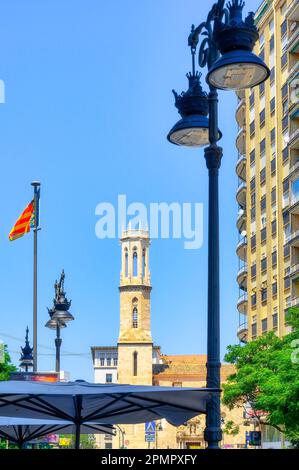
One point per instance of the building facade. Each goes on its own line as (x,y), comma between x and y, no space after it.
(268,178)
(136,360)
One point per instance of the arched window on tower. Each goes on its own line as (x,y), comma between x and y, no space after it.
(135,312)
(135,264)
(143,262)
(126,263)
(135,365)
(135,317)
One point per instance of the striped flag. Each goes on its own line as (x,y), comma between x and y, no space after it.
(24,223)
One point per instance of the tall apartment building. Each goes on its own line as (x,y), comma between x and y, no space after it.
(268,178)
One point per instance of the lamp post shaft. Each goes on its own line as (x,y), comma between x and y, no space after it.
(213,155)
(58,342)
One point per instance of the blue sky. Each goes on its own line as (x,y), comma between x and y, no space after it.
(88,107)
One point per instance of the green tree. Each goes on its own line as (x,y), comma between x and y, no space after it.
(267,378)
(6,366)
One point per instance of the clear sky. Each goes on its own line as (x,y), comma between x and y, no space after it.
(88,107)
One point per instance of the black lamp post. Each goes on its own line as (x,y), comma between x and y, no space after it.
(59,316)
(224,32)
(26,359)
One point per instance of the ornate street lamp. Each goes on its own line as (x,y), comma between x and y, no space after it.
(224,33)
(26,359)
(59,315)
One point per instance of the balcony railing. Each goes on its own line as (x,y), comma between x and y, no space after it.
(241,166)
(293,38)
(293,269)
(294,167)
(294,302)
(292,236)
(242,332)
(294,137)
(292,12)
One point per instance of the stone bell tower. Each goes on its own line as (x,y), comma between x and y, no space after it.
(135,341)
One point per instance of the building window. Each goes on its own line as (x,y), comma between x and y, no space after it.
(272,75)
(285,154)
(285,122)
(253,300)
(285,185)
(252,184)
(273,196)
(109,361)
(252,128)
(253,242)
(286,251)
(284,91)
(135,313)
(143,262)
(264,294)
(108,378)
(286,217)
(115,361)
(274,321)
(253,330)
(284,60)
(272,105)
(263,176)
(135,262)
(177,384)
(274,226)
(285,107)
(272,136)
(262,118)
(126,263)
(273,165)
(283,28)
(252,213)
(102,362)
(262,146)
(274,258)
(262,87)
(253,270)
(263,204)
(274,288)
(252,199)
(135,317)
(251,100)
(272,43)
(135,365)
(252,157)
(263,264)
(263,234)
(287,283)
(264,325)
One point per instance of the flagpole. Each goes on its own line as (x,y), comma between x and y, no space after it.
(36,186)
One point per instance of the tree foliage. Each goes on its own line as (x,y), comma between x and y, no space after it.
(6,366)
(267,378)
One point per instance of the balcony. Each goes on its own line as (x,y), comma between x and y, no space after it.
(292,12)
(294,302)
(241,195)
(241,141)
(294,271)
(242,277)
(242,303)
(241,167)
(293,239)
(294,204)
(241,113)
(293,42)
(294,139)
(294,168)
(240,94)
(242,333)
(241,221)
(241,249)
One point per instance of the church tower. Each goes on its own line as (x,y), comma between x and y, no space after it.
(135,344)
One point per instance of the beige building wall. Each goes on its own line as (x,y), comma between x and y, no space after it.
(268,152)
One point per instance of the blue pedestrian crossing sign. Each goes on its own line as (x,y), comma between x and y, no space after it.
(150,427)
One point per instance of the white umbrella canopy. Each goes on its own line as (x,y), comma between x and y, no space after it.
(81,402)
(21,430)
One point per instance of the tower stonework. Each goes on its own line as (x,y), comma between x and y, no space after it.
(135,345)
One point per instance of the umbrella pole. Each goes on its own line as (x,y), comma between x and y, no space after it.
(77,436)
